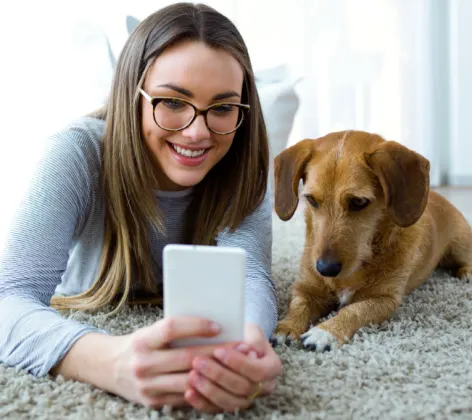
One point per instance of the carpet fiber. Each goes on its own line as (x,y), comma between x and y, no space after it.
(417,365)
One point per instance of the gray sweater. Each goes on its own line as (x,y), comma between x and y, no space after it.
(55,241)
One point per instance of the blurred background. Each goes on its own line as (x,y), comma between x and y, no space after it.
(400,68)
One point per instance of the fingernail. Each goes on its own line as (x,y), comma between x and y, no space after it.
(252,355)
(201,365)
(243,347)
(220,354)
(215,327)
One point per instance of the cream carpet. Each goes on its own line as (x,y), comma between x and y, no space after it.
(416,366)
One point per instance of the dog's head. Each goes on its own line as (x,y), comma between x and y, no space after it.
(353,181)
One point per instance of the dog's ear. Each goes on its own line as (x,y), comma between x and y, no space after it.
(289,167)
(404,177)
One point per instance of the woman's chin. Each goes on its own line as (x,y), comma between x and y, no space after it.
(187,180)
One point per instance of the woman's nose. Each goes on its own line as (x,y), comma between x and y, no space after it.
(198,130)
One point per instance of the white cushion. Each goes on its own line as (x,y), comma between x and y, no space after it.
(280,102)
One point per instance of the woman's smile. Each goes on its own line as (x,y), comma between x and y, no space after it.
(188,155)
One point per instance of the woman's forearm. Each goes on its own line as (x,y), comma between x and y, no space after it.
(91,359)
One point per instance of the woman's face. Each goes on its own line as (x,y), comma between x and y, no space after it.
(204,76)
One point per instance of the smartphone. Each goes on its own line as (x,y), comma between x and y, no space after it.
(209,282)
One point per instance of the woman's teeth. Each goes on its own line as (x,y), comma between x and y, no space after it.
(187,152)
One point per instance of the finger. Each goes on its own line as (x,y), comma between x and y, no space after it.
(268,387)
(162,332)
(200,403)
(256,370)
(216,395)
(254,337)
(165,384)
(223,377)
(154,363)
(173,400)
(243,348)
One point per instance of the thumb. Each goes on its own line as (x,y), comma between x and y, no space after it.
(254,336)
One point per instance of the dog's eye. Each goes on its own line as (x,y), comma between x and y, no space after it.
(358,203)
(312,201)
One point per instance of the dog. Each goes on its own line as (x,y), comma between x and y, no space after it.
(374,232)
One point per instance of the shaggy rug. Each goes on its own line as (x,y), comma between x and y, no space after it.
(415,366)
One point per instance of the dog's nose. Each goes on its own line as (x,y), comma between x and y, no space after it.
(328,267)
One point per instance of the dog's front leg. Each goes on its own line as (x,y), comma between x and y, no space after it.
(341,328)
(309,301)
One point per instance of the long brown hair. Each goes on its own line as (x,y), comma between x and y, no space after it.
(231,191)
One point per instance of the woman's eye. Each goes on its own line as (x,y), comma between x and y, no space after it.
(312,201)
(172,103)
(221,109)
(358,203)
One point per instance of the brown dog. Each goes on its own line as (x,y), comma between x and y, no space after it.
(374,233)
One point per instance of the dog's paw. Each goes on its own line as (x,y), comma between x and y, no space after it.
(465,273)
(319,340)
(285,332)
(278,339)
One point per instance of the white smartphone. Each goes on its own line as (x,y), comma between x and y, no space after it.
(209,282)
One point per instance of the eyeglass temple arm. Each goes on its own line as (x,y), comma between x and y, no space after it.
(148,98)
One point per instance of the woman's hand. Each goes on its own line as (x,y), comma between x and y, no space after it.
(235,375)
(149,373)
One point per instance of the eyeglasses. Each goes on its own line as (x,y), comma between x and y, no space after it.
(175,114)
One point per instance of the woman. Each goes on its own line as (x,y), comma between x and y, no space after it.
(179,154)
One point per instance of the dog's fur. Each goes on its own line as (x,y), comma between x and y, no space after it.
(386,249)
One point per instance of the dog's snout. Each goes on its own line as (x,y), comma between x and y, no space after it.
(328,265)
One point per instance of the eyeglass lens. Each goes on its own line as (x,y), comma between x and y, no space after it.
(173,114)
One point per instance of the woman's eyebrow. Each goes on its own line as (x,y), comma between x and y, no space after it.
(189,94)
(179,89)
(225,95)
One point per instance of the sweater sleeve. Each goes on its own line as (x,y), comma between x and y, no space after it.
(33,336)
(254,235)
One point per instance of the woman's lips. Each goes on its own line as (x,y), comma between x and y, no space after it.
(188,160)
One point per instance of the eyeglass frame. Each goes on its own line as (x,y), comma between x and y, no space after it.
(154,101)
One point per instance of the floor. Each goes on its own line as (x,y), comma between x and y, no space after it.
(461,197)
